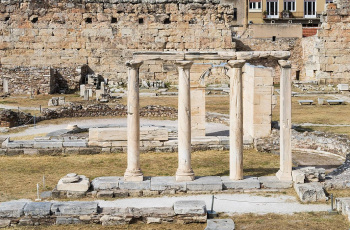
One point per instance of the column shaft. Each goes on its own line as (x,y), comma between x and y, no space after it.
(184,171)
(236,119)
(285,172)
(133,171)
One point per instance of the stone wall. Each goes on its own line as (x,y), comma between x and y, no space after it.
(104,34)
(268,44)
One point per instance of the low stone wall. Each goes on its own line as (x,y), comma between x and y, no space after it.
(27,213)
(9,118)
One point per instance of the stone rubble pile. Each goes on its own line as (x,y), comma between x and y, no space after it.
(9,118)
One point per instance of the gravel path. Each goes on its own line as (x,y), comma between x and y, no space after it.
(230,203)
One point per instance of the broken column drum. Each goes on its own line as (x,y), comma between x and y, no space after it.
(285,172)
(184,171)
(133,171)
(236,119)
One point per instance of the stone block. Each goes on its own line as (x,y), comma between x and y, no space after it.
(106,183)
(65,220)
(135,185)
(246,183)
(82,185)
(4,223)
(190,207)
(207,183)
(48,145)
(167,183)
(74,144)
(220,224)
(298,177)
(274,183)
(12,209)
(111,208)
(103,194)
(310,192)
(37,209)
(74,208)
(158,211)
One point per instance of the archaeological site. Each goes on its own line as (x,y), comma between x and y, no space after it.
(164,114)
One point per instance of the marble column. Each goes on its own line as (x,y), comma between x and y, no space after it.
(184,171)
(133,171)
(5,85)
(236,119)
(285,172)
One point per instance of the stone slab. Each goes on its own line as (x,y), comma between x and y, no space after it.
(38,209)
(206,183)
(81,186)
(75,144)
(120,134)
(12,209)
(48,145)
(136,185)
(111,208)
(246,183)
(20,144)
(74,208)
(65,220)
(190,207)
(106,183)
(310,192)
(5,223)
(298,177)
(167,183)
(274,183)
(220,224)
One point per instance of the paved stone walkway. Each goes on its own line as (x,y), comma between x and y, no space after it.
(232,203)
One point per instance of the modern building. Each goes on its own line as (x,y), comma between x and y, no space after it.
(305,12)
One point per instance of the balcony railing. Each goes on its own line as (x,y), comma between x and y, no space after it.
(289,15)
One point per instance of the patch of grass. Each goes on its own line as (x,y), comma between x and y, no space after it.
(301,221)
(19,175)
(28,137)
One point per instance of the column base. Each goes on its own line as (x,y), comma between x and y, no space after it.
(184,175)
(133,175)
(284,176)
(236,178)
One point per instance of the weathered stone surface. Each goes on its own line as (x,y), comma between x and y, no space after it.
(310,192)
(4,223)
(298,177)
(64,220)
(274,183)
(188,207)
(207,183)
(246,183)
(80,186)
(111,208)
(38,209)
(166,183)
(74,208)
(12,208)
(102,194)
(105,183)
(220,224)
(135,185)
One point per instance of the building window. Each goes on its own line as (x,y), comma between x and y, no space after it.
(309,8)
(329,1)
(272,8)
(255,5)
(289,5)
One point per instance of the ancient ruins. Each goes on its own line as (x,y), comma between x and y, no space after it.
(107,58)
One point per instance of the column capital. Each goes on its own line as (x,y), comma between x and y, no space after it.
(236,63)
(285,63)
(133,64)
(184,64)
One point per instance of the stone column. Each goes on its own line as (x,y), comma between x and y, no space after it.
(184,171)
(285,172)
(236,119)
(133,171)
(5,85)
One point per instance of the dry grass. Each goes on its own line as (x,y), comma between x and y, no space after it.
(28,137)
(19,175)
(300,221)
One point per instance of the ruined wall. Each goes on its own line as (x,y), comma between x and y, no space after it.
(333,45)
(104,34)
(268,44)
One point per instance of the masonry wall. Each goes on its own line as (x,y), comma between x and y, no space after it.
(104,34)
(332,64)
